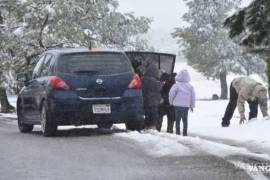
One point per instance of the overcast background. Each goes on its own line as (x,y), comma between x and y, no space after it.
(166,16)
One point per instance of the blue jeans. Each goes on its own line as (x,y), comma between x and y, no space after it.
(181,113)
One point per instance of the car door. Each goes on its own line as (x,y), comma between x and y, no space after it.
(28,95)
(165,62)
(42,82)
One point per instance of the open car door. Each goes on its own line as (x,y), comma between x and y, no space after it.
(165,62)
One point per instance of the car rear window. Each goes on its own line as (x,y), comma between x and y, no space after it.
(94,63)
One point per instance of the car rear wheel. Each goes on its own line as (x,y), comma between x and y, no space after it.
(24,128)
(48,126)
(134,125)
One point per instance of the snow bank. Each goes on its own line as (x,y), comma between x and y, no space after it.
(12,116)
(162,144)
(157,146)
(12,100)
(206,121)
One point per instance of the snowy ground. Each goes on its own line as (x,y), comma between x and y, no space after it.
(206,119)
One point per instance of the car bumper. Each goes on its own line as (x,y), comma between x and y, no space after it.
(76,111)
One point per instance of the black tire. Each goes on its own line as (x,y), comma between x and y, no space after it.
(134,125)
(24,128)
(105,125)
(48,125)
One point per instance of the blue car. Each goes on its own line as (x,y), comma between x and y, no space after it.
(74,86)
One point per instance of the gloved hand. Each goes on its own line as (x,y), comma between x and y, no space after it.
(242,120)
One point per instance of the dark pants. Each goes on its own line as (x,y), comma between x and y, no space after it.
(169,111)
(151,115)
(253,107)
(181,113)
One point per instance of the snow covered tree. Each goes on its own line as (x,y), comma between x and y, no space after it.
(206,44)
(4,66)
(251,26)
(31,26)
(71,23)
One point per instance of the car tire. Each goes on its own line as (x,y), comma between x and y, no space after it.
(48,125)
(24,128)
(105,125)
(134,125)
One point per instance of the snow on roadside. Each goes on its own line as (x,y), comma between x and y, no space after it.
(12,100)
(9,115)
(163,144)
(156,146)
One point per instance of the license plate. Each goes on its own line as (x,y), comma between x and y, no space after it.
(101,108)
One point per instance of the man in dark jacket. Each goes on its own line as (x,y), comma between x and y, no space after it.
(165,108)
(151,88)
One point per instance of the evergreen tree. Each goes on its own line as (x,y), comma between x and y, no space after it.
(206,44)
(251,26)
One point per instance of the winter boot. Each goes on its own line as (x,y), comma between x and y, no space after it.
(169,131)
(185,132)
(178,131)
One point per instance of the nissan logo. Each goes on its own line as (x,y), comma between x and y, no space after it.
(99,81)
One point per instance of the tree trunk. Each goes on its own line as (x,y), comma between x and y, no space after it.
(5,106)
(223,83)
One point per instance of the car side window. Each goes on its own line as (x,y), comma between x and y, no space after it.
(46,68)
(37,67)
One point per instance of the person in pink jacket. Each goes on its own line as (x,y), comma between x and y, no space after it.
(182,97)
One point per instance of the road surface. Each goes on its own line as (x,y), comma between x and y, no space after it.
(89,154)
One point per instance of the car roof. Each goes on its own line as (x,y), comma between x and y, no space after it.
(149,52)
(80,50)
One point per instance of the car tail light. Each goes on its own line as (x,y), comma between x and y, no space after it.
(58,84)
(136,82)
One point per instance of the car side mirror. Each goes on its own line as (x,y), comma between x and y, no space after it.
(24,77)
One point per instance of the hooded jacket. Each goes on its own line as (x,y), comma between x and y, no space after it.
(151,86)
(182,93)
(249,89)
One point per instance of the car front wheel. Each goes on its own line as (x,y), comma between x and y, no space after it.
(48,126)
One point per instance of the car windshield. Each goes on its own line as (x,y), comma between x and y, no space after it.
(94,63)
